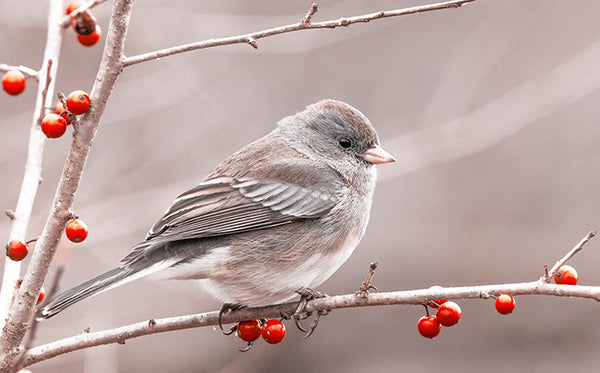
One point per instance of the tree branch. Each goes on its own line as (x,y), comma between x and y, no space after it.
(33,167)
(410,297)
(362,298)
(547,277)
(21,312)
(304,24)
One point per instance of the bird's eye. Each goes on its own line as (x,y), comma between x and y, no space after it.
(345,142)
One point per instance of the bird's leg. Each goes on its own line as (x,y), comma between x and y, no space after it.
(307,294)
(227,307)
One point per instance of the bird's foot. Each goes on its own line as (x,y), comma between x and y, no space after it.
(228,307)
(306,295)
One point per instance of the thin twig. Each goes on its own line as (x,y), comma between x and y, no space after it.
(10,213)
(27,71)
(302,25)
(55,283)
(364,288)
(309,15)
(549,274)
(45,90)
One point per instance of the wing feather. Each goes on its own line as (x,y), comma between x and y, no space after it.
(227,205)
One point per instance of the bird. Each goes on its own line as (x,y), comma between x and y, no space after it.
(281,214)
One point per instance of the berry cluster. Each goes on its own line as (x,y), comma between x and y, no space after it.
(88,33)
(16,250)
(84,23)
(272,331)
(448,313)
(54,125)
(75,231)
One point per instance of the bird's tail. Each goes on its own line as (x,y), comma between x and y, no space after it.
(105,281)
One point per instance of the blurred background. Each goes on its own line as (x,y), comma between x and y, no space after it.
(491,110)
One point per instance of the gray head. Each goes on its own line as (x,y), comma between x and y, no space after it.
(336,133)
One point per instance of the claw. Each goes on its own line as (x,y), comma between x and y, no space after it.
(226,308)
(300,307)
(307,294)
(314,324)
(248,347)
(299,326)
(230,331)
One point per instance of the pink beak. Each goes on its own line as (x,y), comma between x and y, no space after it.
(377,155)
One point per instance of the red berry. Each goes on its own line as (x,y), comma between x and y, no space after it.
(74,5)
(59,109)
(505,304)
(249,330)
(566,275)
(273,331)
(91,39)
(54,126)
(78,102)
(429,326)
(76,230)
(41,296)
(16,250)
(448,314)
(13,82)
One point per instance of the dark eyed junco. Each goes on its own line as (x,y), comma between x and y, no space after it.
(283,213)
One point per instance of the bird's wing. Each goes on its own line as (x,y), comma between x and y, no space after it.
(227,205)
(269,195)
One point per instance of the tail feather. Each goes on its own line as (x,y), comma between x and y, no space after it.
(89,288)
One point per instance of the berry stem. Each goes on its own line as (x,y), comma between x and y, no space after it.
(27,71)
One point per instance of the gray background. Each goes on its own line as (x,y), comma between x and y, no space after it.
(492,111)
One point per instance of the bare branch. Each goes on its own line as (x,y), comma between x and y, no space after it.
(21,311)
(412,297)
(33,167)
(311,12)
(361,298)
(547,277)
(27,71)
(305,24)
(44,93)
(364,288)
